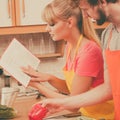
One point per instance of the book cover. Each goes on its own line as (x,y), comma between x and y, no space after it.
(15,57)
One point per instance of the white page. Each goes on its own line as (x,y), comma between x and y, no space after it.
(15,57)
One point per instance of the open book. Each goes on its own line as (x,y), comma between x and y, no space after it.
(15,57)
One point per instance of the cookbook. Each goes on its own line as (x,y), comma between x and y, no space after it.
(16,56)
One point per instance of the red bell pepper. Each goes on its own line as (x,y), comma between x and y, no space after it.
(37,112)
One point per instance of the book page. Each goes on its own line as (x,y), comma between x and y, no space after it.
(15,57)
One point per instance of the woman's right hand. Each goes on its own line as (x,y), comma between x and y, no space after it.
(36,76)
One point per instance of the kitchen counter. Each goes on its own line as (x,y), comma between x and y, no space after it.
(23,105)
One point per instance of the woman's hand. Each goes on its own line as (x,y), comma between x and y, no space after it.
(36,76)
(34,84)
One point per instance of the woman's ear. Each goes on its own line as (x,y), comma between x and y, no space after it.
(71,21)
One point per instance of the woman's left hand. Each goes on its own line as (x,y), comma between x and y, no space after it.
(35,76)
(34,84)
(30,71)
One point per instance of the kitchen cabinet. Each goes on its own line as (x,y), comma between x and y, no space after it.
(21,12)
(29,11)
(21,16)
(24,17)
(40,44)
(7,18)
(21,33)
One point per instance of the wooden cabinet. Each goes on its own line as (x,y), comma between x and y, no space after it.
(40,44)
(30,11)
(7,18)
(21,12)
(22,18)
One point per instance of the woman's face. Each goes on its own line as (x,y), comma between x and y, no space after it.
(58,30)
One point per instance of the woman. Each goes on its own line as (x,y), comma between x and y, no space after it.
(84,63)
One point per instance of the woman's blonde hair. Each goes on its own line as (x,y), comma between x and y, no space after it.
(62,9)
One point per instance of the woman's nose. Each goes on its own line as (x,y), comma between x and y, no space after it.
(47,28)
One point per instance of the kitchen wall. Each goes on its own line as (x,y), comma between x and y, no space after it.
(48,65)
(52,66)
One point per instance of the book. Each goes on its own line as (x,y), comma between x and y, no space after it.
(15,57)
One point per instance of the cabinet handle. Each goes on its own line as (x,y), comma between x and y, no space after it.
(23,8)
(9,8)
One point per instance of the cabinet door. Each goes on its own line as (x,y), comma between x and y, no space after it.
(7,16)
(30,11)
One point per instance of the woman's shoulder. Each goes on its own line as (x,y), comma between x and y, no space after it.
(90,50)
(91,46)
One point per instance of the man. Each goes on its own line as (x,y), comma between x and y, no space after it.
(100,10)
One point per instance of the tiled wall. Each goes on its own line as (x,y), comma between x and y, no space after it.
(37,43)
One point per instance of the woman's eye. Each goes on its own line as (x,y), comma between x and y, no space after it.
(52,24)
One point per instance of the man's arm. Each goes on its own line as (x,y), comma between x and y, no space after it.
(96,95)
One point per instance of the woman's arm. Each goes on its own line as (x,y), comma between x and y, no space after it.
(46,91)
(88,68)
(80,84)
(58,83)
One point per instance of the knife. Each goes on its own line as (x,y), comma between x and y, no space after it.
(63,115)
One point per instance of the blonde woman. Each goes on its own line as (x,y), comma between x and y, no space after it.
(84,63)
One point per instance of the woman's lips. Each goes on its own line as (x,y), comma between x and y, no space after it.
(51,35)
